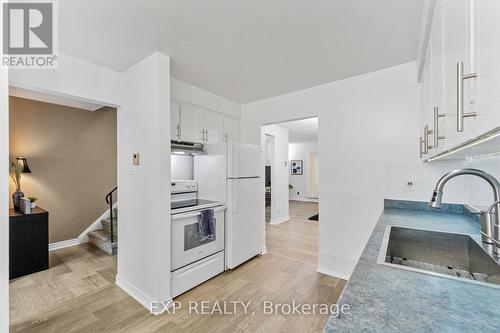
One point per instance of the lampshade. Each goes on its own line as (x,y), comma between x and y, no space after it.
(24,163)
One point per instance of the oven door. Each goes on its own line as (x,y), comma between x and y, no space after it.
(186,244)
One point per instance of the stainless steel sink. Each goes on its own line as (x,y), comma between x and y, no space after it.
(454,256)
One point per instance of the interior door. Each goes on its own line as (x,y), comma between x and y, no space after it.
(191,123)
(214,127)
(244,227)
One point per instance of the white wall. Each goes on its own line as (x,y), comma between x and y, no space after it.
(143,99)
(299,151)
(144,191)
(74,78)
(185,92)
(181,166)
(279,173)
(368,139)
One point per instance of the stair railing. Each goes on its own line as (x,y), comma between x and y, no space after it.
(109,200)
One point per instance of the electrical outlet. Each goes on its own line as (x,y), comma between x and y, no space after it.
(410,185)
(135,159)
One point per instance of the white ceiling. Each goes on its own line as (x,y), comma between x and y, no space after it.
(245,50)
(300,131)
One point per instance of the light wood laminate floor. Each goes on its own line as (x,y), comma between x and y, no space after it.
(77,294)
(296,238)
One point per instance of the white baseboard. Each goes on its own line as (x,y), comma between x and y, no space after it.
(263,250)
(65,243)
(280,220)
(96,225)
(145,300)
(332,273)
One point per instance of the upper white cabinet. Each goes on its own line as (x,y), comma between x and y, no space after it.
(440,119)
(461,71)
(195,124)
(231,129)
(175,121)
(459,48)
(488,64)
(214,129)
(192,125)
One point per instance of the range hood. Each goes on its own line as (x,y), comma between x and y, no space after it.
(186,148)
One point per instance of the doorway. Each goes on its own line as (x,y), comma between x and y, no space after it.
(269,161)
(292,220)
(69,151)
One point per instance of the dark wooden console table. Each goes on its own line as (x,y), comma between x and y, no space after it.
(28,242)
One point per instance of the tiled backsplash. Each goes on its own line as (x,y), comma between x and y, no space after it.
(464,189)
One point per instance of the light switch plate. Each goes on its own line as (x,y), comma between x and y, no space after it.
(135,159)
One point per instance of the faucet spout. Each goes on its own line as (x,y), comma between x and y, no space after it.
(436,200)
(438,191)
(490,223)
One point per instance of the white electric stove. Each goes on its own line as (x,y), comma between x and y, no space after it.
(194,259)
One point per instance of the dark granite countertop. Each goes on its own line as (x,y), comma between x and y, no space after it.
(387,299)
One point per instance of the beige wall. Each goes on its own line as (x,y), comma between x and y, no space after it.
(72,156)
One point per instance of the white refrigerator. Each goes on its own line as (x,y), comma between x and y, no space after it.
(231,172)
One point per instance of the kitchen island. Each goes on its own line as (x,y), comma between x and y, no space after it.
(387,299)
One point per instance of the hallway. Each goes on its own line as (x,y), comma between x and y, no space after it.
(296,238)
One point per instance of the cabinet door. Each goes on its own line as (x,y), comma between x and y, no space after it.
(191,123)
(488,45)
(426,112)
(458,32)
(231,129)
(214,127)
(175,121)
(437,67)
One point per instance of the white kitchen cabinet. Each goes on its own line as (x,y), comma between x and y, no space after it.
(231,129)
(488,65)
(175,117)
(426,106)
(214,127)
(454,39)
(192,123)
(436,66)
(459,46)
(195,124)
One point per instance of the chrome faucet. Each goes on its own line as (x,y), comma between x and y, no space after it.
(490,221)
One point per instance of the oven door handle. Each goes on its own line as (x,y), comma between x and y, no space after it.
(196,213)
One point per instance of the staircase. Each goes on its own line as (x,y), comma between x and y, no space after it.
(106,238)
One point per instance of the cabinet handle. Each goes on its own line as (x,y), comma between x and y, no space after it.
(424,141)
(206,136)
(178,127)
(421,141)
(437,137)
(460,96)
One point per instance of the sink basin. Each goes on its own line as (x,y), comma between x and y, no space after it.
(449,255)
